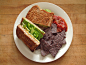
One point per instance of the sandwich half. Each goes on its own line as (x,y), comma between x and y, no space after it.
(40,16)
(29,33)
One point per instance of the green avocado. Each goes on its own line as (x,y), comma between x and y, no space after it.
(48,10)
(32,29)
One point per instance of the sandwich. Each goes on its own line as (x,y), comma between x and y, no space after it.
(29,33)
(40,16)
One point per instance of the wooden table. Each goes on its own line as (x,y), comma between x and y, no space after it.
(10,55)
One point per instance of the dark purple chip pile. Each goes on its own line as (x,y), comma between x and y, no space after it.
(52,41)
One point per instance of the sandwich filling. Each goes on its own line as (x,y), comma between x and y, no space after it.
(32,29)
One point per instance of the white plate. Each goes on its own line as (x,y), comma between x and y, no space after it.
(36,56)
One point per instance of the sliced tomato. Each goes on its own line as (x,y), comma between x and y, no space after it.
(61,24)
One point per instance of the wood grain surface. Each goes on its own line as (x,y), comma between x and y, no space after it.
(10,9)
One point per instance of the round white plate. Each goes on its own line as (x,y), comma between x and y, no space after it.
(36,56)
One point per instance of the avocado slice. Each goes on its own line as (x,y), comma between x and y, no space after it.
(32,29)
(48,10)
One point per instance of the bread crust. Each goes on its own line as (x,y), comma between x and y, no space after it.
(39,16)
(27,38)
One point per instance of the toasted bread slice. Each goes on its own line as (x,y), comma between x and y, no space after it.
(27,38)
(39,16)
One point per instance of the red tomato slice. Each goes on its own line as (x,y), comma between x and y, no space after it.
(61,24)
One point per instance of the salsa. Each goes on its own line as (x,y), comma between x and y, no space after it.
(60,22)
